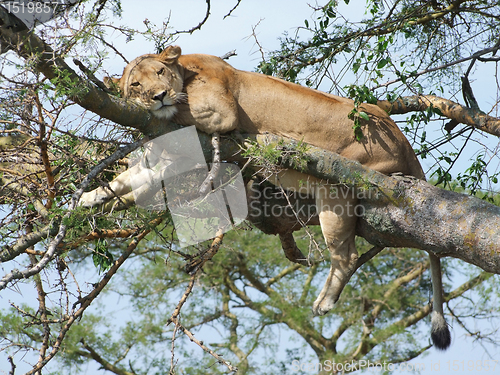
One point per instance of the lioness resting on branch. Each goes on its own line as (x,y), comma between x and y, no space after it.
(207,92)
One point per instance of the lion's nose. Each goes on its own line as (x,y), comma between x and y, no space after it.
(160,96)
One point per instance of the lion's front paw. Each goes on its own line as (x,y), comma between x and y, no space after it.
(92,198)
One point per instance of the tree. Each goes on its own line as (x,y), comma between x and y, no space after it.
(47,159)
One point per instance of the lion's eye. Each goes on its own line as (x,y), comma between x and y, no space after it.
(161,71)
(135,84)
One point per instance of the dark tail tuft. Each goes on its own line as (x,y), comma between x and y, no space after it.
(440,333)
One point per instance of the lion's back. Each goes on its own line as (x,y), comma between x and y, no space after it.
(268,104)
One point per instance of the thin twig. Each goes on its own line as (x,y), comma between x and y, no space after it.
(189,334)
(232,10)
(198,27)
(91,76)
(207,185)
(200,261)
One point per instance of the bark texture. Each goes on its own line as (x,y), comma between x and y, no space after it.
(454,111)
(30,47)
(400,211)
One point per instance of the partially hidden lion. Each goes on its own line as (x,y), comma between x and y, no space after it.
(205,91)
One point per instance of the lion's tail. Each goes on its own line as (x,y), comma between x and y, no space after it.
(440,333)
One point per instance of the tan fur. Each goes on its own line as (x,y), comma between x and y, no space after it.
(221,98)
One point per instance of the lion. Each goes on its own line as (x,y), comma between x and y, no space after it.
(207,92)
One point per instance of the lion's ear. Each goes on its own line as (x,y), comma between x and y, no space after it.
(112,83)
(170,54)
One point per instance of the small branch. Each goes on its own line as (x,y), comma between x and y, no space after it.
(91,76)
(105,364)
(102,233)
(196,264)
(232,10)
(448,108)
(219,358)
(207,185)
(254,35)
(42,308)
(172,350)
(469,98)
(229,54)
(44,153)
(26,241)
(283,273)
(291,250)
(198,27)
(183,299)
(12,365)
(472,283)
(368,255)
(487,59)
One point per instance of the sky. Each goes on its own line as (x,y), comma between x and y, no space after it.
(269,19)
(219,36)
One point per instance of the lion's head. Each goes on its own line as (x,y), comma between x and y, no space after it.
(155,81)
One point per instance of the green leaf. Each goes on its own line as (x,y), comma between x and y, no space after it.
(101,256)
(383,62)
(364,115)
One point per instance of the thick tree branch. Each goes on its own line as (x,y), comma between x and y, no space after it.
(401,211)
(45,60)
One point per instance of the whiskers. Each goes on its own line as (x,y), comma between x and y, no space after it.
(181,98)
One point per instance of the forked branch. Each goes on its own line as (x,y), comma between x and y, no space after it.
(454,111)
(193,268)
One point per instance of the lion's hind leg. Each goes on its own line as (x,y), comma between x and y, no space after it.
(338,223)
